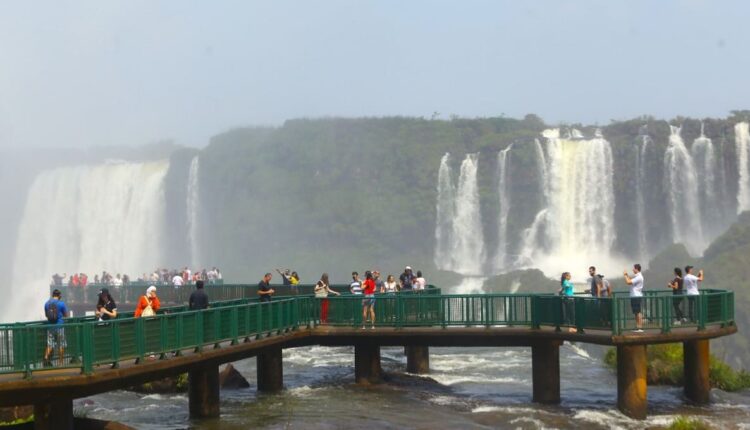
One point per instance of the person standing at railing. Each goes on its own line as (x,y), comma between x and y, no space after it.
(148,304)
(178,280)
(594,282)
(390,286)
(368,304)
(106,308)
(636,295)
(322,290)
(406,279)
(198,299)
(356,286)
(294,279)
(420,282)
(55,310)
(567,292)
(264,288)
(677,291)
(691,289)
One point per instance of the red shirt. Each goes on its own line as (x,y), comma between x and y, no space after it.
(369,286)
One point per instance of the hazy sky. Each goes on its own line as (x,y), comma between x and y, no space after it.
(132,72)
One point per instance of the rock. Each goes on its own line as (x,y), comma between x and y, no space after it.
(14,413)
(231,379)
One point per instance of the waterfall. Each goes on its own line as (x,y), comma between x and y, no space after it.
(445,213)
(742,142)
(468,238)
(86,219)
(680,178)
(704,158)
(504,208)
(193,208)
(541,164)
(578,220)
(640,187)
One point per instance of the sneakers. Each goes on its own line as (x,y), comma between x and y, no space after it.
(638,331)
(372,327)
(363,327)
(677,322)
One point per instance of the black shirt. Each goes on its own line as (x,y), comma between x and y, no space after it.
(678,280)
(110,306)
(264,286)
(406,279)
(198,300)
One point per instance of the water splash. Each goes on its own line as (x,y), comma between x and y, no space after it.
(504,202)
(680,179)
(742,143)
(445,213)
(193,209)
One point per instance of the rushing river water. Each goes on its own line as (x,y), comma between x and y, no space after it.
(467,388)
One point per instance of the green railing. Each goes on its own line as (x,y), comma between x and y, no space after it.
(90,343)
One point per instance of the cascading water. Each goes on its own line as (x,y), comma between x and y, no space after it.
(504,204)
(445,212)
(468,251)
(640,186)
(86,219)
(704,158)
(193,209)
(742,143)
(578,220)
(680,178)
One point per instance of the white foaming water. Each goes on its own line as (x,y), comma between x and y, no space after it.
(640,158)
(445,213)
(680,178)
(468,252)
(86,219)
(704,158)
(470,285)
(193,208)
(504,203)
(742,144)
(578,221)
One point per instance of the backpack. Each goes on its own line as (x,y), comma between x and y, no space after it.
(52,312)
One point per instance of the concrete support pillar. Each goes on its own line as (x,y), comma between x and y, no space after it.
(545,370)
(270,371)
(631,381)
(55,414)
(417,359)
(367,364)
(203,392)
(696,357)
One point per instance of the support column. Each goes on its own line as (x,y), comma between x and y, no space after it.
(270,371)
(417,359)
(203,392)
(545,370)
(631,381)
(367,364)
(696,358)
(55,414)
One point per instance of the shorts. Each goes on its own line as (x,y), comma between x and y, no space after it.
(56,338)
(635,304)
(369,300)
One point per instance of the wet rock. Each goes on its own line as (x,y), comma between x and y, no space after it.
(15,413)
(231,379)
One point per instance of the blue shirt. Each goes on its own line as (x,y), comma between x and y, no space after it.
(567,288)
(62,310)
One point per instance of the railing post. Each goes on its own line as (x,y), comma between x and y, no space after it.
(579,307)
(486,300)
(140,339)
(115,344)
(666,310)
(87,332)
(234,325)
(702,310)
(259,320)
(399,311)
(615,323)
(535,311)
(199,331)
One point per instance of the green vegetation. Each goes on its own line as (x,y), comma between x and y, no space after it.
(686,423)
(28,419)
(665,364)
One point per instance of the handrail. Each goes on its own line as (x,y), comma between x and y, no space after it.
(90,343)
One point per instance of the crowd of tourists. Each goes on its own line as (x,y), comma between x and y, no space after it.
(160,276)
(683,286)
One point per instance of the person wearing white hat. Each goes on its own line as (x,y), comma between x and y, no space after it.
(148,304)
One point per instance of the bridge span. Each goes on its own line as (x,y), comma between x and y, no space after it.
(101,357)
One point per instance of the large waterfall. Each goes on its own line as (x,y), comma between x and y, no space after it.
(578,220)
(445,212)
(459,236)
(193,211)
(501,260)
(86,219)
(704,158)
(640,204)
(742,142)
(681,182)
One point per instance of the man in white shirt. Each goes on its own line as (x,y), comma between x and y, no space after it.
(690,283)
(636,295)
(177,281)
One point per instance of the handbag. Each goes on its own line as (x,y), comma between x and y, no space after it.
(148,311)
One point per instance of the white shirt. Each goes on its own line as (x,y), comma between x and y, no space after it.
(690,282)
(177,281)
(117,282)
(421,283)
(636,288)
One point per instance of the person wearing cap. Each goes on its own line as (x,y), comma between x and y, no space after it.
(55,308)
(149,301)
(406,279)
(106,308)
